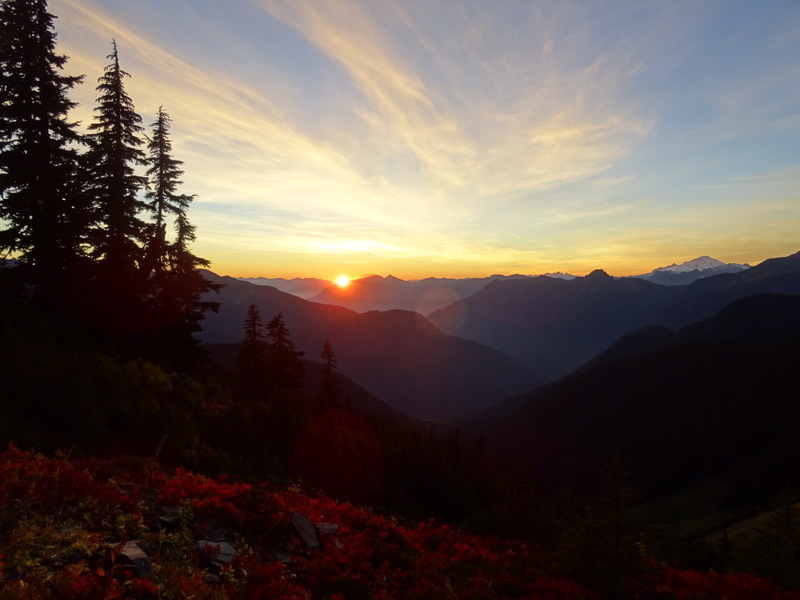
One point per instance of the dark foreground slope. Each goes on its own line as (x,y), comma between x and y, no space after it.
(717,398)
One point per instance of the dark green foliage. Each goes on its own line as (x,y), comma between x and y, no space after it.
(604,548)
(44,213)
(773,552)
(60,390)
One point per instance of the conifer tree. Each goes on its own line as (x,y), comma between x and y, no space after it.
(113,157)
(604,549)
(254,349)
(287,369)
(287,401)
(329,390)
(164,174)
(175,287)
(252,358)
(43,215)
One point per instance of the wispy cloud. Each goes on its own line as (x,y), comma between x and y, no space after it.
(446,132)
(514,133)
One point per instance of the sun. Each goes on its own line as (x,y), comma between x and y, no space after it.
(342,281)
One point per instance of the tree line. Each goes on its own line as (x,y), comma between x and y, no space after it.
(96,220)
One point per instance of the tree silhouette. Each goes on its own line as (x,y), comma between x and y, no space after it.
(164,174)
(329,388)
(286,367)
(75,220)
(252,358)
(174,287)
(41,206)
(252,327)
(604,548)
(113,156)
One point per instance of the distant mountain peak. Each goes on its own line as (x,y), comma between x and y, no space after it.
(598,274)
(701,263)
(691,270)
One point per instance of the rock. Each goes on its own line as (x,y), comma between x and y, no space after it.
(134,556)
(306,530)
(221,553)
(327,528)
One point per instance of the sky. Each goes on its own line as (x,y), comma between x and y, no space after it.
(456,138)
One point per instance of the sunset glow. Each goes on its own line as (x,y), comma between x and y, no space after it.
(342,281)
(451,138)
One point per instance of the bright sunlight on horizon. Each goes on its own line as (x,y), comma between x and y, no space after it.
(456,138)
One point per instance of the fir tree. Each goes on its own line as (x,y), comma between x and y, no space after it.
(43,212)
(113,158)
(164,174)
(252,357)
(174,285)
(287,369)
(329,389)
(604,549)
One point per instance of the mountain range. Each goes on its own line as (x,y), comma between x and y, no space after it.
(424,296)
(396,355)
(554,326)
(511,335)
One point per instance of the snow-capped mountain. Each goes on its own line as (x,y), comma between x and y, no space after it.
(691,270)
(703,263)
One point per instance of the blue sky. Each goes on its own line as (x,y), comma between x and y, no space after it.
(448,138)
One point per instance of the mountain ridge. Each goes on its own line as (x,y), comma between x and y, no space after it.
(397,356)
(717,395)
(554,326)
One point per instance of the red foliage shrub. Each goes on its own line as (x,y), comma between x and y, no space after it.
(361,555)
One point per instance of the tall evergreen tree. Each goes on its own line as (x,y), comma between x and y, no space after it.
(252,358)
(113,157)
(287,368)
(164,174)
(329,388)
(42,212)
(169,268)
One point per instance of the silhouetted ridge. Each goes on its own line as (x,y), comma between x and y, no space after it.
(719,395)
(598,275)
(554,325)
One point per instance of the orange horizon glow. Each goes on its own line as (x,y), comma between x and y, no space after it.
(328,268)
(342,281)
